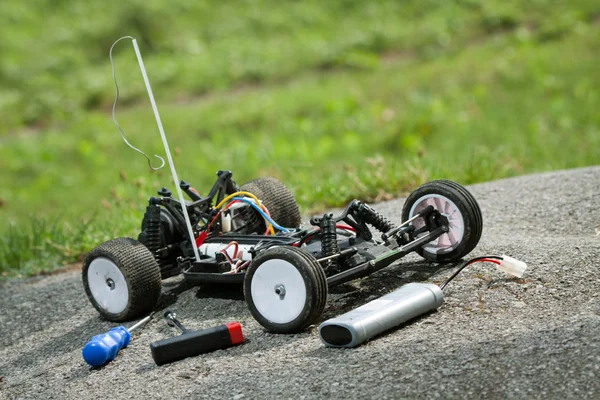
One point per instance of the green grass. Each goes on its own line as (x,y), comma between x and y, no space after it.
(44,245)
(338,100)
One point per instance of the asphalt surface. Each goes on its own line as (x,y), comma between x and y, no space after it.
(494,337)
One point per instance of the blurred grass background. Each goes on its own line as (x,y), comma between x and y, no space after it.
(339,99)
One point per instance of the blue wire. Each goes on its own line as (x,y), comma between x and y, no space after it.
(262,213)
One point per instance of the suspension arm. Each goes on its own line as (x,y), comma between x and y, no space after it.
(386,259)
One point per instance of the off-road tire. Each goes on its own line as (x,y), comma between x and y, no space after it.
(313,280)
(140,271)
(277,198)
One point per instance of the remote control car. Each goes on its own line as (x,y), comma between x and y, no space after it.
(251,235)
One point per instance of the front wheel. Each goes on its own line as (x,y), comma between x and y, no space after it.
(121,279)
(285,289)
(459,206)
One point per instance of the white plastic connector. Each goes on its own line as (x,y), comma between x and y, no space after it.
(512,266)
(225,222)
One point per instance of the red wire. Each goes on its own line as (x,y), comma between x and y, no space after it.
(265,209)
(269,214)
(488,260)
(232,243)
(229,259)
(346,227)
(219,213)
(338,226)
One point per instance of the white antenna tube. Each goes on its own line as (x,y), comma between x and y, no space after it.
(169,158)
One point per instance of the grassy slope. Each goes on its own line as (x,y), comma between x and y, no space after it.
(366,105)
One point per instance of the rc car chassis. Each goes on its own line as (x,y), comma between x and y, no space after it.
(251,235)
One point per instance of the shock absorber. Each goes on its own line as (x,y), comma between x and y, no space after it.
(329,244)
(158,232)
(372,217)
(150,235)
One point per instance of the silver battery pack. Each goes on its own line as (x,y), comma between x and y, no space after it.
(362,323)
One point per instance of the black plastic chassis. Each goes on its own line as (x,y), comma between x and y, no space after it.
(343,258)
(354,257)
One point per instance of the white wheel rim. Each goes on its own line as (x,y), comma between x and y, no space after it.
(450,240)
(108,285)
(278,291)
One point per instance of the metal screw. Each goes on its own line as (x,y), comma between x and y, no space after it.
(280,291)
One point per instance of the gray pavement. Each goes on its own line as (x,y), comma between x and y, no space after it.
(495,336)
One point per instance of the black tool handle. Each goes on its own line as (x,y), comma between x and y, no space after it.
(193,343)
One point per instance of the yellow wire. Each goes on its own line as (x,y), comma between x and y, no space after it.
(253,197)
(247,194)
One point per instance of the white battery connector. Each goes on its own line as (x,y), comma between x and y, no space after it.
(512,266)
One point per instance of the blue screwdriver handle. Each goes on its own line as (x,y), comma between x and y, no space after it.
(104,347)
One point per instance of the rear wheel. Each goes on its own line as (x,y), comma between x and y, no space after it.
(121,279)
(464,217)
(285,289)
(277,198)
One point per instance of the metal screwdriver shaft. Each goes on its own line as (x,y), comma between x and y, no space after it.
(139,324)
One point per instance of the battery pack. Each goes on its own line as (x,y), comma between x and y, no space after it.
(403,304)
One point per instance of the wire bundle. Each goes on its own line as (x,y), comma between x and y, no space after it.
(252,201)
(236,262)
(492,259)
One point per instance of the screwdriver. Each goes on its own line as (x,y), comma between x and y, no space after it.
(104,347)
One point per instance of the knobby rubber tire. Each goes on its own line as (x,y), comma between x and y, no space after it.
(277,198)
(141,272)
(316,288)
